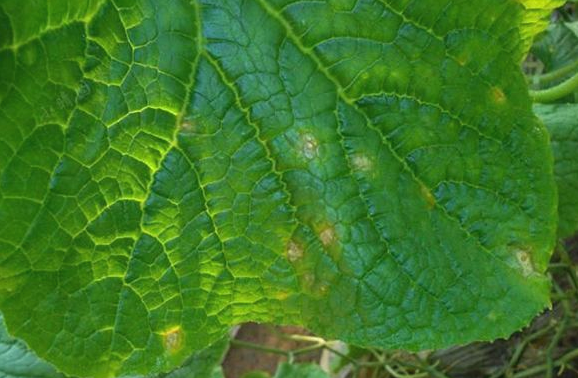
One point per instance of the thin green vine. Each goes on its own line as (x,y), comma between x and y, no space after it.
(549,77)
(557,92)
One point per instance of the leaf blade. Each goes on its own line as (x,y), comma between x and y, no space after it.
(193,175)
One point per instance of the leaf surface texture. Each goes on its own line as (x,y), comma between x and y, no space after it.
(562,123)
(369,169)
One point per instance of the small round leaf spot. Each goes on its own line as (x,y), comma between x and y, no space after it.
(498,95)
(310,147)
(327,236)
(525,262)
(294,251)
(361,163)
(187,126)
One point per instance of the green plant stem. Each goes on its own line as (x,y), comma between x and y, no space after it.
(562,327)
(570,268)
(308,349)
(558,74)
(262,348)
(396,374)
(425,366)
(533,371)
(519,351)
(305,338)
(557,92)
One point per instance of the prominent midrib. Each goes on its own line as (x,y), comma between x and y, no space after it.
(298,222)
(312,55)
(246,113)
(350,102)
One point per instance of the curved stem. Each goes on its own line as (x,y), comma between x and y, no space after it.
(533,371)
(558,74)
(559,91)
(259,347)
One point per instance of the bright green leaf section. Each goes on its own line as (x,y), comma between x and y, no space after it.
(218,373)
(17,361)
(369,169)
(300,371)
(535,19)
(562,122)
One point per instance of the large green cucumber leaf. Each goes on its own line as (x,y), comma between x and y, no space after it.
(562,123)
(370,169)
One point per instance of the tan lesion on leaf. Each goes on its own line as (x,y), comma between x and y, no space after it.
(309,146)
(328,236)
(187,126)
(525,262)
(361,162)
(295,251)
(173,339)
(314,286)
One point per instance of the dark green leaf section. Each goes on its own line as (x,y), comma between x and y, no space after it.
(559,46)
(369,169)
(562,123)
(300,371)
